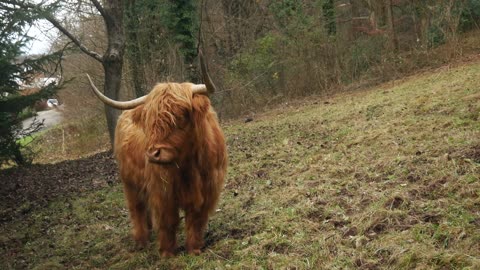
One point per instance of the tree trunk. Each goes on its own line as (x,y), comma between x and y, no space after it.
(344,12)
(113,59)
(138,73)
(135,57)
(113,79)
(416,26)
(356,19)
(391,27)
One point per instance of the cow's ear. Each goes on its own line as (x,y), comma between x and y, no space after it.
(200,106)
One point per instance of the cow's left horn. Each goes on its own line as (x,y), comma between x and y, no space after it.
(121,105)
(209,85)
(199,89)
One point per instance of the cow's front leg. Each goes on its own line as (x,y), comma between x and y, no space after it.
(138,215)
(195,224)
(167,230)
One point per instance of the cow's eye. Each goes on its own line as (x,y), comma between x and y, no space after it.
(182,123)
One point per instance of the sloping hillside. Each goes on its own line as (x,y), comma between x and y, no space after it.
(386,178)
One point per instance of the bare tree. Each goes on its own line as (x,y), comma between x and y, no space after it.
(112,59)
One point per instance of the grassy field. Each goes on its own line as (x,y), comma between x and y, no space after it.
(386,178)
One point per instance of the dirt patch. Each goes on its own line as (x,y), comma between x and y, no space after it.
(248,203)
(27,188)
(388,221)
(316,215)
(395,203)
(238,182)
(432,218)
(361,263)
(473,153)
(348,232)
(281,248)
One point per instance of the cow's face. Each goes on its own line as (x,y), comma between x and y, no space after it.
(169,149)
(167,122)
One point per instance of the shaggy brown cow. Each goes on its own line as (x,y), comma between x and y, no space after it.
(172,155)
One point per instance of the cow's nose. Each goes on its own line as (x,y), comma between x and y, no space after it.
(162,155)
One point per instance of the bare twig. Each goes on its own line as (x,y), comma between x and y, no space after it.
(99,7)
(49,17)
(77,42)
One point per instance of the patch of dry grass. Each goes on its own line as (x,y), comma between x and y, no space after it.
(380,179)
(72,139)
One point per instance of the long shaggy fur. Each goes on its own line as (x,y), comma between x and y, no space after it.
(173,117)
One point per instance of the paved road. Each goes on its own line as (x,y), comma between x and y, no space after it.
(51,118)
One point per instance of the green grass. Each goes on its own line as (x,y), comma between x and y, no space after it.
(386,178)
(31,138)
(26,140)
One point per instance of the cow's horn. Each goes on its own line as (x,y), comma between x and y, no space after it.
(121,105)
(209,85)
(199,89)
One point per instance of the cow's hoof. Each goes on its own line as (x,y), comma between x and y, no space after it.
(195,252)
(140,242)
(167,254)
(140,245)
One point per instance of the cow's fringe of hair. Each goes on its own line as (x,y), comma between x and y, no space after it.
(164,102)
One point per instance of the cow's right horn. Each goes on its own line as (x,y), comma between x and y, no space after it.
(121,105)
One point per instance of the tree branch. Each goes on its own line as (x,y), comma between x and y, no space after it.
(48,16)
(77,42)
(99,7)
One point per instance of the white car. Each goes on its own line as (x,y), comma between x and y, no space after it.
(52,102)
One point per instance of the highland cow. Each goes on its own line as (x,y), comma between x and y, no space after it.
(172,156)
